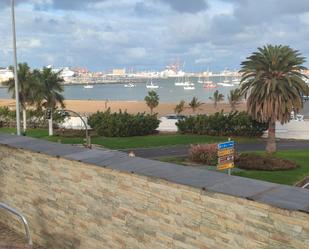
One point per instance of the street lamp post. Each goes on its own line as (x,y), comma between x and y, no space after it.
(88,141)
(15,70)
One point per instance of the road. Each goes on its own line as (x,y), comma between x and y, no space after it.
(182,150)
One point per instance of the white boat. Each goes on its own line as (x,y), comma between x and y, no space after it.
(88,86)
(210,84)
(130,85)
(225,84)
(188,83)
(179,83)
(236,80)
(226,80)
(205,80)
(189,87)
(200,80)
(151,85)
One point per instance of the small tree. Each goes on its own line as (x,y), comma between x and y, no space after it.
(27,88)
(216,98)
(152,100)
(49,92)
(180,107)
(195,103)
(234,98)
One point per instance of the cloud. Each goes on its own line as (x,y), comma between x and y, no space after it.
(29,43)
(148,34)
(186,5)
(73,5)
(204,61)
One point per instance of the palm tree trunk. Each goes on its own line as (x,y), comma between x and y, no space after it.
(233,107)
(24,120)
(271,141)
(50,126)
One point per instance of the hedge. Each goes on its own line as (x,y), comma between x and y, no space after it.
(221,124)
(123,124)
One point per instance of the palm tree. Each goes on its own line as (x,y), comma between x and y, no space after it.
(234,98)
(195,103)
(180,107)
(26,86)
(50,92)
(216,98)
(152,100)
(274,84)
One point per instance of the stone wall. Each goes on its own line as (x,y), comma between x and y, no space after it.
(72,204)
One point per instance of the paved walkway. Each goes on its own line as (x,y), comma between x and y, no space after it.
(182,150)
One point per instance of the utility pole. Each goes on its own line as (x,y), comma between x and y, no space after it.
(15,70)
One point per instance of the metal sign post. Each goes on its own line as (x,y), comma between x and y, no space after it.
(226,156)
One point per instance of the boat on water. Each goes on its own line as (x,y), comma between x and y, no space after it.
(189,87)
(88,86)
(205,79)
(200,80)
(188,83)
(236,81)
(210,84)
(225,84)
(179,83)
(151,85)
(130,85)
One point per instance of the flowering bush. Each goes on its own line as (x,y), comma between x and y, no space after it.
(204,153)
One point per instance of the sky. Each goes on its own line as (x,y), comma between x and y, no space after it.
(150,34)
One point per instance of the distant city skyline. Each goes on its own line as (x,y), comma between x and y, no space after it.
(147,35)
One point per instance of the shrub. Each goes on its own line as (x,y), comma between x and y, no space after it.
(220,124)
(123,124)
(7,117)
(204,153)
(259,162)
(35,118)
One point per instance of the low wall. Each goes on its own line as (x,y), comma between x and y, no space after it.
(293,130)
(79,198)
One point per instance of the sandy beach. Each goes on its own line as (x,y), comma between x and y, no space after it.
(91,106)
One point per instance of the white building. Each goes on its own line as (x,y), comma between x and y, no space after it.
(5,75)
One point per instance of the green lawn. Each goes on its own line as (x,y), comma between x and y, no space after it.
(131,142)
(287,177)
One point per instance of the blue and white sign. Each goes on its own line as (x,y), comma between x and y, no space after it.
(226,145)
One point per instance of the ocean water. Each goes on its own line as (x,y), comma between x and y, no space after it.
(167,91)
